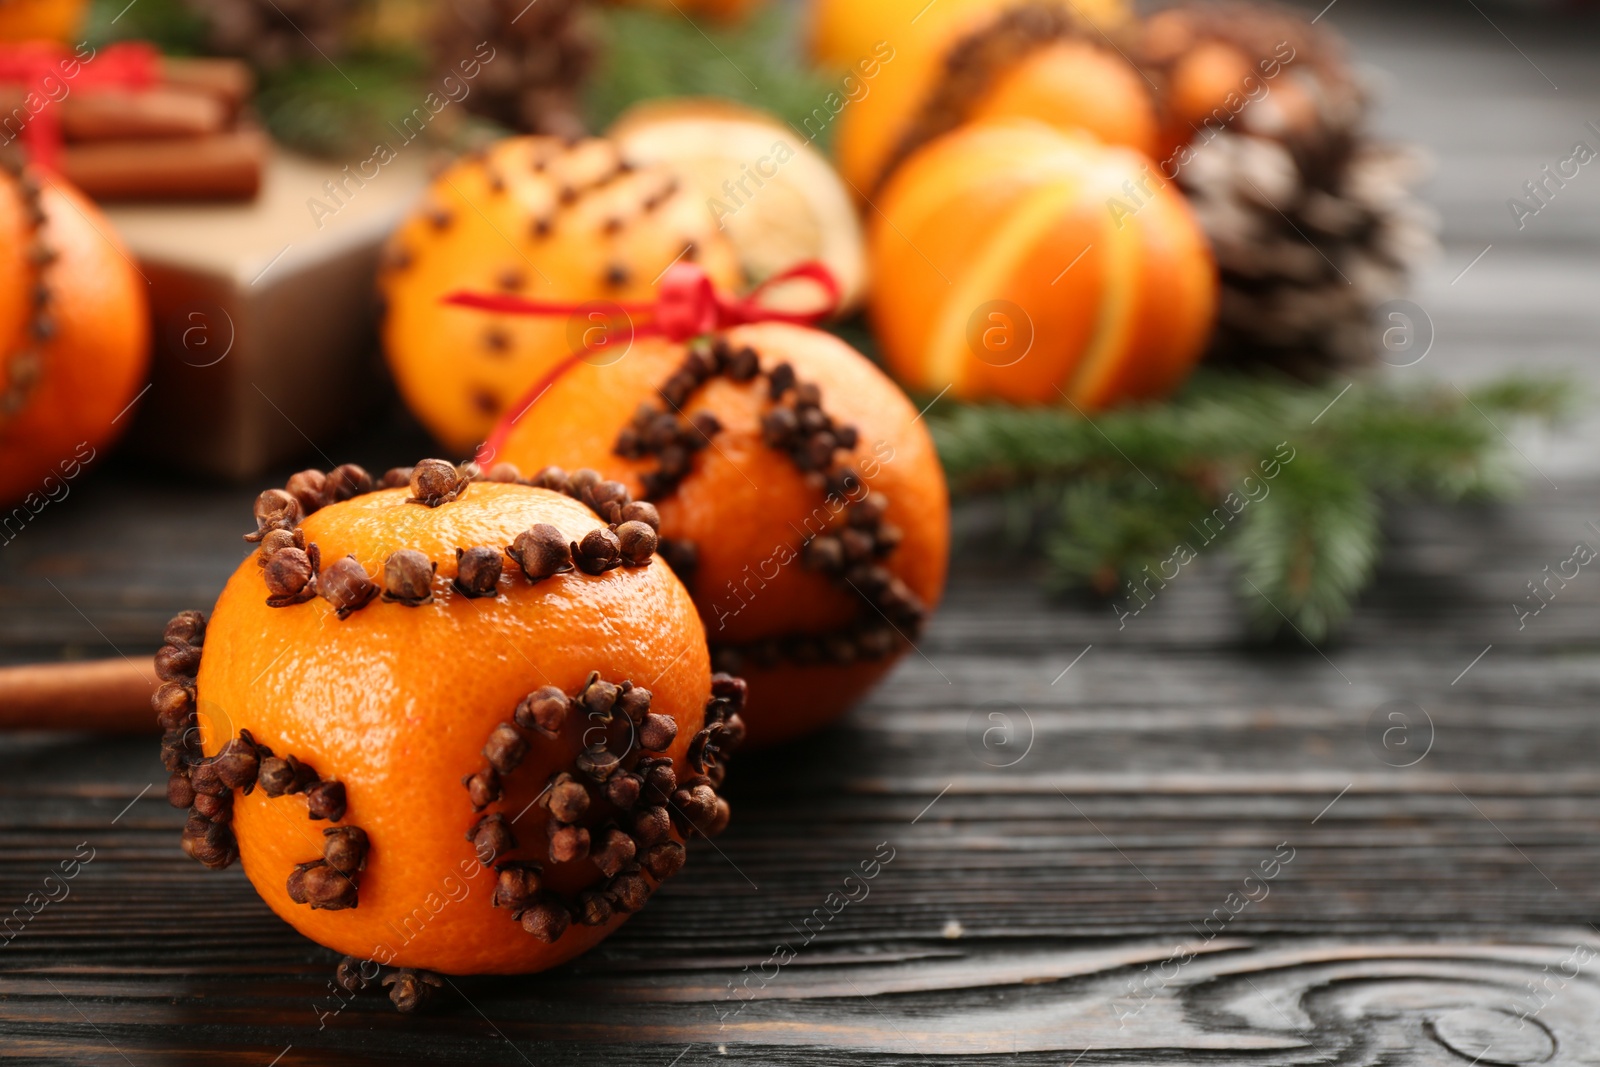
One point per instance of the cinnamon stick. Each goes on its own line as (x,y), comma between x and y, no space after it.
(158,112)
(229,80)
(103,696)
(224,166)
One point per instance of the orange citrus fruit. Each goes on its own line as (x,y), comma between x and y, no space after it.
(533,217)
(808,630)
(415,694)
(74,336)
(1023,264)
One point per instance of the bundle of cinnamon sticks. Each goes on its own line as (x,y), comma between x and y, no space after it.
(182,138)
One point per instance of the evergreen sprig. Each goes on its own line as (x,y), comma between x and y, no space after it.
(1119,497)
(650,55)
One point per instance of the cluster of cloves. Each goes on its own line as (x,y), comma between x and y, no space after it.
(851,556)
(24,366)
(203,786)
(615,809)
(294,574)
(410,990)
(629,538)
(332,882)
(665,432)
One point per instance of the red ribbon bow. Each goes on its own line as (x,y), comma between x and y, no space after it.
(31,64)
(687,306)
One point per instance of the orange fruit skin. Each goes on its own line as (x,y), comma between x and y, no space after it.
(35,20)
(397,702)
(1093,89)
(1015,264)
(451,372)
(1075,85)
(748,508)
(95,364)
(843,32)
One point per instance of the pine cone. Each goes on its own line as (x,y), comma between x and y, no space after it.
(271,33)
(542,53)
(1313,222)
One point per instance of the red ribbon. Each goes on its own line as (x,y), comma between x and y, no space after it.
(687,306)
(132,65)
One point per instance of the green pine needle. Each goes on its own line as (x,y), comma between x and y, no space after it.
(1287,478)
(332,111)
(649,55)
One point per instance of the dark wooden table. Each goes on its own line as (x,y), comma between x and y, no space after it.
(1189,849)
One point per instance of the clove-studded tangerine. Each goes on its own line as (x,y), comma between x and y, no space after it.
(534,217)
(797,494)
(451,776)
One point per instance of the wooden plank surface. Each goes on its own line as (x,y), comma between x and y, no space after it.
(1078,894)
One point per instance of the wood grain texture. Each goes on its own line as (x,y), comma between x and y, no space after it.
(1072,882)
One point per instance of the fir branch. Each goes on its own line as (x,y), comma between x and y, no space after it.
(649,55)
(1115,496)
(329,111)
(1308,547)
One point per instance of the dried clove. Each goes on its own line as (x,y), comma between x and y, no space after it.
(327,889)
(478,571)
(205,779)
(547,920)
(435,482)
(642,511)
(598,762)
(542,551)
(615,851)
(651,826)
(516,886)
(275,510)
(544,710)
(598,552)
(215,808)
(491,838)
(186,627)
(664,860)
(568,843)
(346,481)
(628,891)
(177,663)
(567,799)
(660,780)
(175,707)
(346,586)
(483,788)
(310,490)
(593,908)
(211,844)
(348,977)
(637,542)
(180,791)
(634,702)
(290,575)
(344,848)
(505,748)
(279,775)
(623,790)
(326,800)
(238,763)
(408,578)
(657,732)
